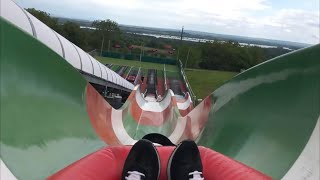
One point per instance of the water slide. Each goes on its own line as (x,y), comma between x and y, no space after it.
(266,117)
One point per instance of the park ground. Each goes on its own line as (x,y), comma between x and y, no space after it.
(144,65)
(203,82)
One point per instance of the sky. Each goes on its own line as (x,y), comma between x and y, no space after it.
(290,20)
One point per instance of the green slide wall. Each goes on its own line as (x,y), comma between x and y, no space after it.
(264,117)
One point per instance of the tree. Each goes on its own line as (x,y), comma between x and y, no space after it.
(46,19)
(75,34)
(106,29)
(228,56)
(190,56)
(153,43)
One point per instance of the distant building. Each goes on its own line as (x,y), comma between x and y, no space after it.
(152,50)
(168,47)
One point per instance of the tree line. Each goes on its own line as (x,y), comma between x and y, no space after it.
(87,39)
(216,55)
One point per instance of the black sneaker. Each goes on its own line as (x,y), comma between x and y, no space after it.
(142,162)
(185,162)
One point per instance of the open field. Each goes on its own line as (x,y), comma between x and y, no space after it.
(159,51)
(144,65)
(204,82)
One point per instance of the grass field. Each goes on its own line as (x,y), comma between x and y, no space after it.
(144,65)
(204,82)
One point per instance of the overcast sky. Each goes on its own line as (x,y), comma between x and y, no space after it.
(291,20)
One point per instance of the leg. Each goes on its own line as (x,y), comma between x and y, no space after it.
(185,162)
(142,162)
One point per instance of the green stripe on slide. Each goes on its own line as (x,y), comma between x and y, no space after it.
(44,122)
(265,116)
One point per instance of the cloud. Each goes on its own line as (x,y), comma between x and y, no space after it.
(257,18)
(294,24)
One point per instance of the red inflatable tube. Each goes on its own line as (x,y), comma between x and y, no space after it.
(108,162)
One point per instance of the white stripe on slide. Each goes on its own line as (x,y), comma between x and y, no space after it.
(118,128)
(307,165)
(178,130)
(153,106)
(5,174)
(184,105)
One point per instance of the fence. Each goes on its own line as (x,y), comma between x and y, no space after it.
(193,96)
(165,77)
(93,53)
(136,57)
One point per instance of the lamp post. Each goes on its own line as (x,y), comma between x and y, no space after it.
(142,51)
(185,66)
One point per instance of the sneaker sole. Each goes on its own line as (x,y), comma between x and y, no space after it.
(170,161)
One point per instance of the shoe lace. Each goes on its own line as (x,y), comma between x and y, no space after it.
(134,175)
(196,175)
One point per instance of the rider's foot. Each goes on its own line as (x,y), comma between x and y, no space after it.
(142,162)
(185,162)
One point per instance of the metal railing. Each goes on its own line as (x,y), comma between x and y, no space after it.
(93,53)
(138,76)
(165,77)
(193,96)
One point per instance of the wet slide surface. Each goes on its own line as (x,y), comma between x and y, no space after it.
(44,120)
(263,118)
(50,115)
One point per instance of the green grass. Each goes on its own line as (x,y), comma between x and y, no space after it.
(114,67)
(144,65)
(127,70)
(204,82)
(160,74)
(173,75)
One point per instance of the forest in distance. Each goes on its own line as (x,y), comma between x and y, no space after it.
(108,35)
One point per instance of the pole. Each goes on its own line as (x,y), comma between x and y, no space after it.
(178,54)
(102,46)
(165,77)
(181,37)
(129,72)
(185,66)
(109,46)
(182,33)
(142,47)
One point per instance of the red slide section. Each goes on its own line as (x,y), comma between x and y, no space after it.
(108,162)
(160,87)
(143,86)
(183,86)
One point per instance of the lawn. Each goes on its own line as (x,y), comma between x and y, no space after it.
(204,82)
(144,65)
